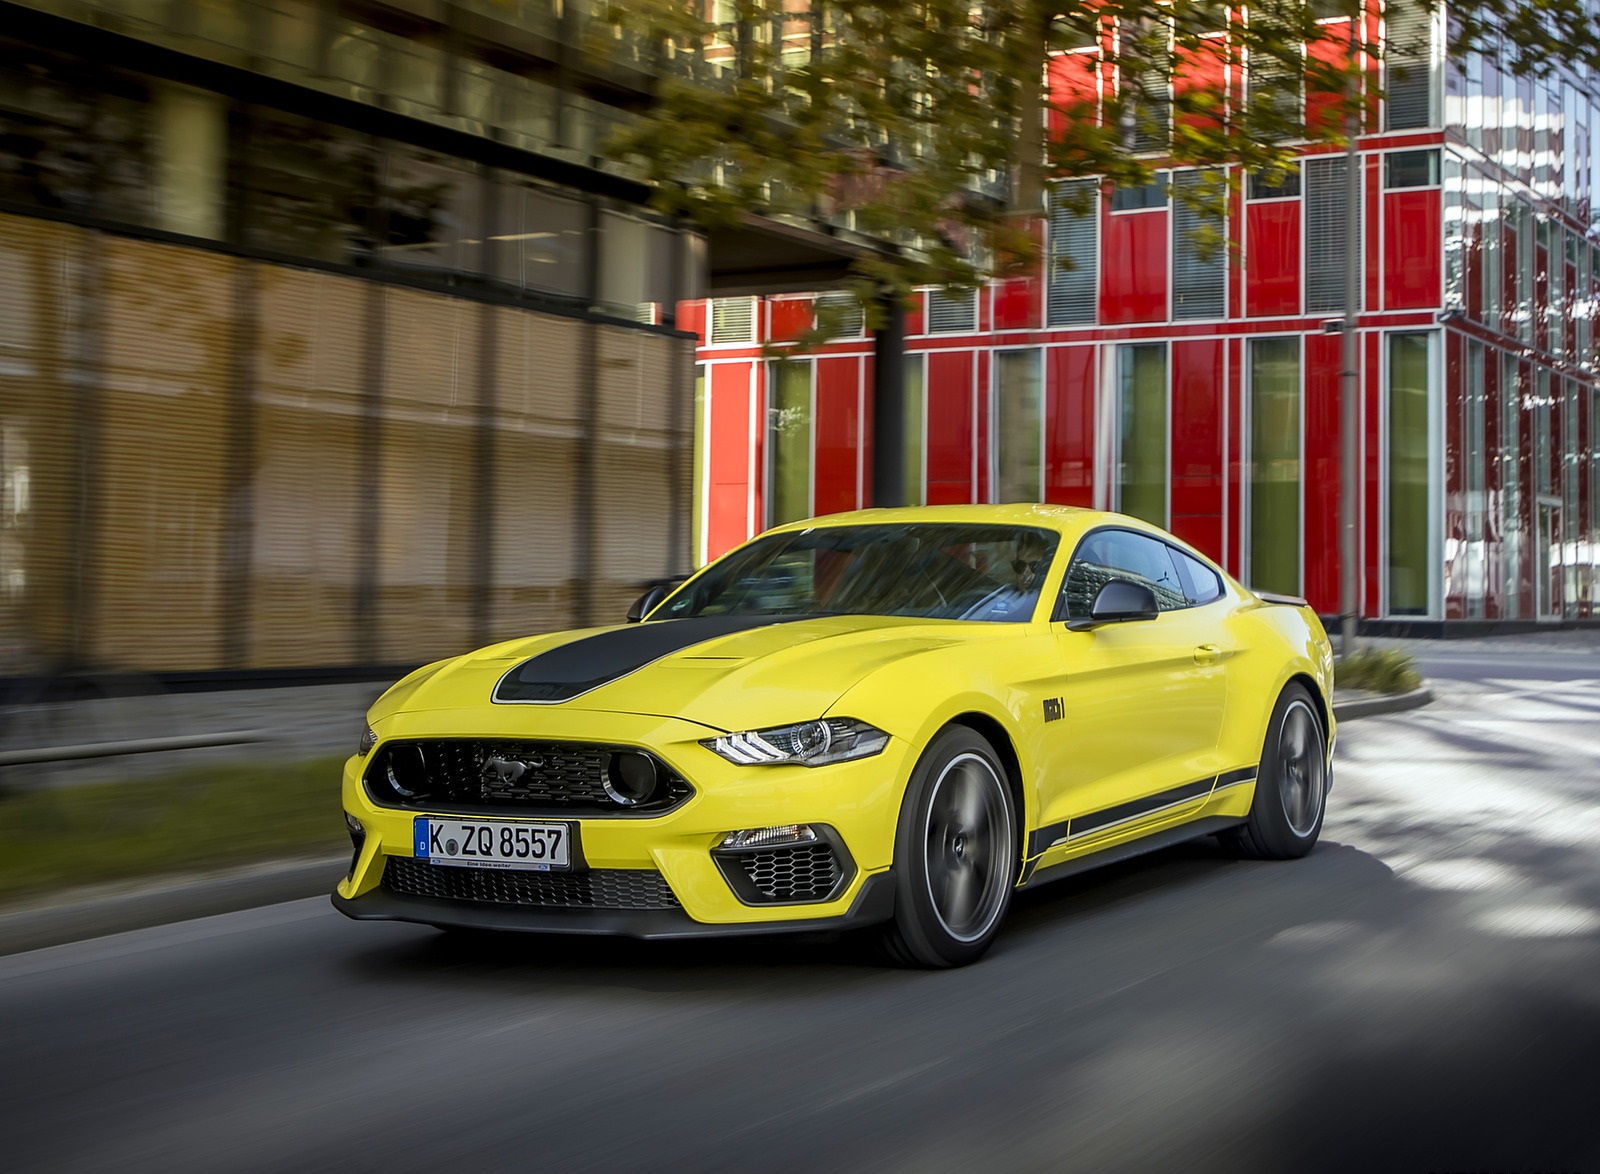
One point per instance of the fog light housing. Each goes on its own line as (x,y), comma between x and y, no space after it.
(630,778)
(785,835)
(406,771)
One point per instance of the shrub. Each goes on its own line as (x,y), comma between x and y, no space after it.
(1385,671)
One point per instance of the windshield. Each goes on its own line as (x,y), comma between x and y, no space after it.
(939,571)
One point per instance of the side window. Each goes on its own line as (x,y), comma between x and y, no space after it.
(1200,583)
(1120,554)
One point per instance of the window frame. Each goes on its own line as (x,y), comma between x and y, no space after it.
(1058,610)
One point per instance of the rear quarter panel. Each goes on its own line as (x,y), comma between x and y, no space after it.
(1278,643)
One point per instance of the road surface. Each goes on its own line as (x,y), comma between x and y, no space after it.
(1422,993)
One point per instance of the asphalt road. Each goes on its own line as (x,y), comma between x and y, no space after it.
(1419,994)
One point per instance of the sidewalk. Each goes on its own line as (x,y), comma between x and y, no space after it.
(284,724)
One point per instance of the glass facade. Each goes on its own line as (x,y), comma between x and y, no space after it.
(246,465)
(1274,469)
(1407,467)
(1018,426)
(1142,465)
(790,440)
(277,391)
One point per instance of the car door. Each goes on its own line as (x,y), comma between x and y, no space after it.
(1142,701)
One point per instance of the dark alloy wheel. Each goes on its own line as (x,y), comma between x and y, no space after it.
(1291,783)
(955,854)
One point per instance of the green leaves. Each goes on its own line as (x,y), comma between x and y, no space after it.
(935,126)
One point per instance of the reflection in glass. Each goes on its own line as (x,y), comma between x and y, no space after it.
(1017,431)
(789,438)
(1142,431)
(913,488)
(1275,465)
(1408,474)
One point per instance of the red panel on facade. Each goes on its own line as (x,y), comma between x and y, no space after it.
(1016,304)
(728,457)
(1074,90)
(1332,47)
(1272,258)
(1200,76)
(1371,498)
(1233,556)
(1197,396)
(866,430)
(1412,240)
(1069,425)
(914,315)
(789,317)
(838,432)
(984,397)
(949,457)
(1322,482)
(1372,276)
(1133,268)
(692,316)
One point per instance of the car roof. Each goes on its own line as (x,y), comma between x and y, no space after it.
(1067,520)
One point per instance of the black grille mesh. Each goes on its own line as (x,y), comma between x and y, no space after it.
(555,776)
(804,872)
(601,888)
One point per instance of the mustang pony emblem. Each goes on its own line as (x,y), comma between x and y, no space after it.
(508,770)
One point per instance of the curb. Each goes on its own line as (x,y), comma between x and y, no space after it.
(109,910)
(112,910)
(1361,704)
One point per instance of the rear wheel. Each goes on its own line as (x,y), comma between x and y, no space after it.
(1291,783)
(955,854)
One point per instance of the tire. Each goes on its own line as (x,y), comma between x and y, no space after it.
(955,854)
(1291,784)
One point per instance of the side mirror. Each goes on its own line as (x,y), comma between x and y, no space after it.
(1117,602)
(646,603)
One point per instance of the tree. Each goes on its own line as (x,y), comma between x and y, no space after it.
(937,125)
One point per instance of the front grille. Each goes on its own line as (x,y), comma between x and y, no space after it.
(804,872)
(600,888)
(527,777)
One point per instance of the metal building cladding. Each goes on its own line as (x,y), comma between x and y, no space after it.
(1201,391)
(325,337)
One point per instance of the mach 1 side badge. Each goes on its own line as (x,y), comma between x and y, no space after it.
(1053,709)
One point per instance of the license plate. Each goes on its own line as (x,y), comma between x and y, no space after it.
(536,847)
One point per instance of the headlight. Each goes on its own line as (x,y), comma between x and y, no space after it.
(369,739)
(834,739)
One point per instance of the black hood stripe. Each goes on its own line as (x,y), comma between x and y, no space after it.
(573,669)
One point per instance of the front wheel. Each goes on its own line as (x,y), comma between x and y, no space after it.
(955,854)
(1291,784)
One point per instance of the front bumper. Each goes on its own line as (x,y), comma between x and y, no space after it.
(859,801)
(873,903)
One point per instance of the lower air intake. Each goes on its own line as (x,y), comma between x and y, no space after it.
(804,872)
(600,888)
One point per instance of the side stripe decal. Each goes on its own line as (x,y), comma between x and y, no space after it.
(1094,821)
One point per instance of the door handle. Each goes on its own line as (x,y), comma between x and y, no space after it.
(1207,654)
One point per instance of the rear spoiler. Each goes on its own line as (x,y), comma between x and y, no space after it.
(1285,600)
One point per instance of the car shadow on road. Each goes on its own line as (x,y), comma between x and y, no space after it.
(1132,890)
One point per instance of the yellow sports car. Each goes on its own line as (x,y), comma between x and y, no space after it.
(892,718)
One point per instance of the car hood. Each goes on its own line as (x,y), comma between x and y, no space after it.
(724,672)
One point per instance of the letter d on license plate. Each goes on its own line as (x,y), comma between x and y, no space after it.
(536,847)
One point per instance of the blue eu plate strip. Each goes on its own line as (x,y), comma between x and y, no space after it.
(420,827)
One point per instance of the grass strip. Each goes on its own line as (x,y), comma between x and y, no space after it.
(55,837)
